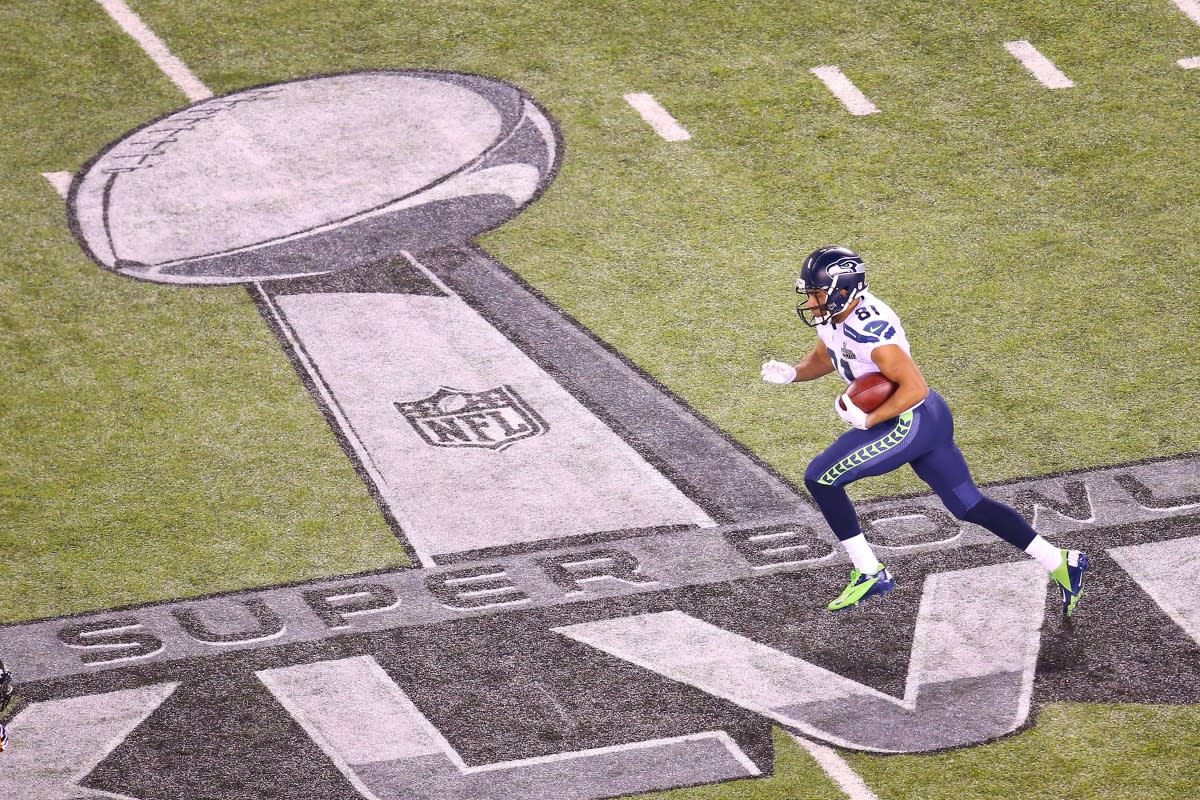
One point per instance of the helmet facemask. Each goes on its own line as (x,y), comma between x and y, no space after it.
(809,316)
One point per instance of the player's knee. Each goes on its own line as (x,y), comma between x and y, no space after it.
(813,479)
(961,500)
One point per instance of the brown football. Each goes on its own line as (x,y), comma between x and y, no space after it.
(870,391)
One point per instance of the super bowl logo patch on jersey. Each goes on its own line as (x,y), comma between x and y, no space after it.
(493,419)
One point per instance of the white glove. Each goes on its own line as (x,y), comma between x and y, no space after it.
(778,372)
(855,417)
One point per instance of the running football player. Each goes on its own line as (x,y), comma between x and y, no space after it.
(859,334)
(6,695)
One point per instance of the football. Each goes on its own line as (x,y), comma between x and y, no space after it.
(312,176)
(870,391)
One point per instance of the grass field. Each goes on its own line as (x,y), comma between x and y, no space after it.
(1040,245)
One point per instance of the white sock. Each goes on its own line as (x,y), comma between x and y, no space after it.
(862,555)
(1045,553)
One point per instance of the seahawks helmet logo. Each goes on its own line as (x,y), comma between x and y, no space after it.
(845,266)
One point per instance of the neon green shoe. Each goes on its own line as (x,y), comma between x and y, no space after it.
(1069,577)
(862,587)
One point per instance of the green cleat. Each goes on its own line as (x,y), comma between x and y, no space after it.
(1069,577)
(862,587)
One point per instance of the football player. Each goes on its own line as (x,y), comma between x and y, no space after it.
(6,695)
(859,334)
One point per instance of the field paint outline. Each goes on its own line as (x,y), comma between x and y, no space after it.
(844,90)
(154,47)
(657,117)
(1038,65)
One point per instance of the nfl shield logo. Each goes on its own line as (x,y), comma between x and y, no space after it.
(492,419)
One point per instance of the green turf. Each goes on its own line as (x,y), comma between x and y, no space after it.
(1076,752)
(1041,247)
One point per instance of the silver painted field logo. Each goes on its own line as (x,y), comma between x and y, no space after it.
(493,419)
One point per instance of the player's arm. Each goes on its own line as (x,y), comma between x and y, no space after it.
(814,365)
(898,367)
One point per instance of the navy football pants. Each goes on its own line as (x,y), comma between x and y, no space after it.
(924,438)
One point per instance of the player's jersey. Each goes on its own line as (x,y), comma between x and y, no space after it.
(849,343)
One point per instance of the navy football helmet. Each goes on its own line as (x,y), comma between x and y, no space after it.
(836,271)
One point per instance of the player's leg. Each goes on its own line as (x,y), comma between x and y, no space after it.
(855,455)
(946,472)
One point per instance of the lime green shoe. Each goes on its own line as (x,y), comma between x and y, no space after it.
(1069,577)
(862,587)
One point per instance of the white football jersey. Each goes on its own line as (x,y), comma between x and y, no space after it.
(849,343)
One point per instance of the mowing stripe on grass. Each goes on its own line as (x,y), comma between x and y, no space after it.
(852,98)
(61,181)
(175,69)
(1189,7)
(1042,68)
(657,117)
(1189,63)
(837,769)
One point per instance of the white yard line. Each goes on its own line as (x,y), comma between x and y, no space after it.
(1189,63)
(854,100)
(1189,7)
(175,69)
(1041,67)
(841,773)
(657,117)
(61,181)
